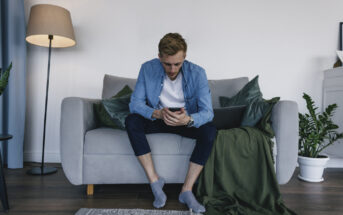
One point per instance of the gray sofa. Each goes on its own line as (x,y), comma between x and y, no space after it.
(92,155)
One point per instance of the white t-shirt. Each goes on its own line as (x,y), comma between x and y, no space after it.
(172,92)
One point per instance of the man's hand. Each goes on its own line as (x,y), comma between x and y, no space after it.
(177,118)
(157,114)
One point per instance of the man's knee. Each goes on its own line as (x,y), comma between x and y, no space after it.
(208,131)
(133,121)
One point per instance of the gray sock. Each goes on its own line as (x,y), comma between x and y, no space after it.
(160,196)
(188,198)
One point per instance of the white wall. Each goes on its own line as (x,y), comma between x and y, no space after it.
(288,43)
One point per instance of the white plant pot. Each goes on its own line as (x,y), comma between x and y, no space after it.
(311,169)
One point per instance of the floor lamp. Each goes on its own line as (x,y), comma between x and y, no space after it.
(49,26)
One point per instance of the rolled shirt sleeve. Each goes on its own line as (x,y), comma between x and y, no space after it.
(204,102)
(138,98)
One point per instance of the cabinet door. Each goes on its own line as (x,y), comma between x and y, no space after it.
(333,93)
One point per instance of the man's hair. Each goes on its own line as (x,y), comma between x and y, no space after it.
(171,44)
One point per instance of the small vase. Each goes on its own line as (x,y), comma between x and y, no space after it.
(311,169)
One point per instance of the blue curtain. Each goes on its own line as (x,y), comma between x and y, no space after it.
(12,101)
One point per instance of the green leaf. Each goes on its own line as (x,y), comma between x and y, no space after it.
(316,130)
(4,78)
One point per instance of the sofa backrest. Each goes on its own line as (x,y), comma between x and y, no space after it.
(224,87)
(113,84)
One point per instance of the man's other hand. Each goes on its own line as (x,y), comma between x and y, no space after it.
(177,118)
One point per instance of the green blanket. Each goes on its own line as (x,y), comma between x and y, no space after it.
(239,176)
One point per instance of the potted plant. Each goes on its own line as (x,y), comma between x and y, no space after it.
(4,78)
(316,132)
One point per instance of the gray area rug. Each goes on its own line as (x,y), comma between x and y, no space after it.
(92,211)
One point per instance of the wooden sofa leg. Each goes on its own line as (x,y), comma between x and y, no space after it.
(90,189)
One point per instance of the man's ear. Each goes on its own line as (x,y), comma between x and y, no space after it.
(159,56)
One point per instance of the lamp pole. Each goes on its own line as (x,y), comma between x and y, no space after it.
(42,170)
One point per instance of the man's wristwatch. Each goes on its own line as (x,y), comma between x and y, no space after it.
(190,122)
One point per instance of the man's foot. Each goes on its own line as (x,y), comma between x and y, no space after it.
(160,196)
(188,198)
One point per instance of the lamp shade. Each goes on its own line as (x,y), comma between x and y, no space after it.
(48,20)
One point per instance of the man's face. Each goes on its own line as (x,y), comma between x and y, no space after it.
(172,63)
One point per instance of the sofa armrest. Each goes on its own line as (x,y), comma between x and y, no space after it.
(77,117)
(285,124)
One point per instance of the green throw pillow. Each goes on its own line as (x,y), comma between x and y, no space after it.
(265,123)
(254,112)
(251,96)
(102,117)
(112,112)
(249,93)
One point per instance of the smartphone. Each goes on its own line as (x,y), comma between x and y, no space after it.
(173,109)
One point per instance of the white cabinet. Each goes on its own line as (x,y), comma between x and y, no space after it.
(333,93)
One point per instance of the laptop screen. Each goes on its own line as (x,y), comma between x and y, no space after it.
(228,117)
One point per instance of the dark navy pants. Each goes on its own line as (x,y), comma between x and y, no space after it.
(137,127)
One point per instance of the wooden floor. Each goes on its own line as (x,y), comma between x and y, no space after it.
(53,194)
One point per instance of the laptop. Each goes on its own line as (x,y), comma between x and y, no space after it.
(228,117)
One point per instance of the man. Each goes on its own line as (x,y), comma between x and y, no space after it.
(172,81)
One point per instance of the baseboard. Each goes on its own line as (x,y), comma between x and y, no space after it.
(335,162)
(37,157)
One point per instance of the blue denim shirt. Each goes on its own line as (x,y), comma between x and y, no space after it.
(145,98)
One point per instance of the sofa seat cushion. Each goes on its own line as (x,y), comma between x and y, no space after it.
(115,141)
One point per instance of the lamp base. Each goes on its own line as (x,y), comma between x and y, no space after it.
(42,171)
